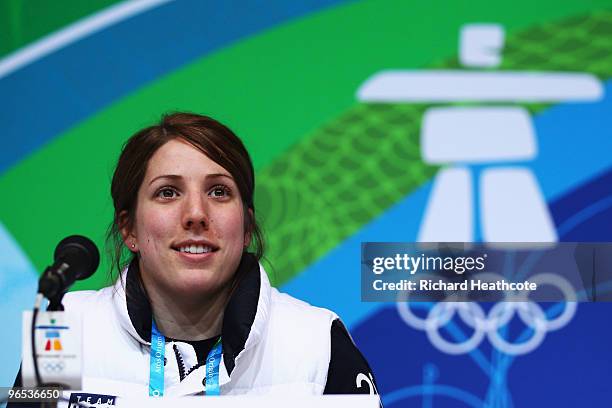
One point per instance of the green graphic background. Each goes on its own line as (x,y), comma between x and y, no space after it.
(326,165)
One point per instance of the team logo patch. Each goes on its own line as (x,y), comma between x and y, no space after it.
(78,400)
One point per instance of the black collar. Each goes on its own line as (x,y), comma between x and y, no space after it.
(239,312)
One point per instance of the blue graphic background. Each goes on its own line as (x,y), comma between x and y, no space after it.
(101,79)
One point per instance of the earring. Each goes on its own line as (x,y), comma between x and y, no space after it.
(133,245)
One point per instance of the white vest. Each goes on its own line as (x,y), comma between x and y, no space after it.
(287,350)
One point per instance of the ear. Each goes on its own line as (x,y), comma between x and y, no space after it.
(248,233)
(127,234)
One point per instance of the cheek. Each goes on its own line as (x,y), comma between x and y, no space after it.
(153,227)
(229,226)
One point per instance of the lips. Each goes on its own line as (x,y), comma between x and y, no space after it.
(195,247)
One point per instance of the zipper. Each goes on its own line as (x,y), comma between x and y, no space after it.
(196,367)
(181,363)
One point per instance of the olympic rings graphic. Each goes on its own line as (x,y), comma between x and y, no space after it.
(568,292)
(437,340)
(489,325)
(538,325)
(53,367)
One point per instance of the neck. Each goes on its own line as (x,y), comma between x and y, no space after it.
(181,318)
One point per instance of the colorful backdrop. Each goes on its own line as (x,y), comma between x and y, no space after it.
(333,168)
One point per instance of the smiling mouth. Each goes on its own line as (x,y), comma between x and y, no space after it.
(195,249)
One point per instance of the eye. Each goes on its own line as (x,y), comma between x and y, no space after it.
(219,191)
(166,193)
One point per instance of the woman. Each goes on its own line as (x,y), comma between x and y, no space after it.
(193,312)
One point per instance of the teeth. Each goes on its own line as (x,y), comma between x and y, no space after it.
(195,249)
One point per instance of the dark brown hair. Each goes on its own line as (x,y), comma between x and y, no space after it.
(209,136)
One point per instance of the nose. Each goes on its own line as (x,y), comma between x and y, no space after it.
(195,212)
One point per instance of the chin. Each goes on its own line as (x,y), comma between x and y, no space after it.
(191,283)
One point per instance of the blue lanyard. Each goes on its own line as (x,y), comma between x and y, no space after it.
(156,373)
(212,369)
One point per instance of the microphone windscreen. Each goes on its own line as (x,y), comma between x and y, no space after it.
(80,253)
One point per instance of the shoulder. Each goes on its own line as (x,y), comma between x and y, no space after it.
(287,304)
(298,318)
(88,300)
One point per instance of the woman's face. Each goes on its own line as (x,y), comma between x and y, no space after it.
(189,225)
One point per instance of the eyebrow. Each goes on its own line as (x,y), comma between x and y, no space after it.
(177,177)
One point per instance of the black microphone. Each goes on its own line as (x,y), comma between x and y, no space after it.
(76,257)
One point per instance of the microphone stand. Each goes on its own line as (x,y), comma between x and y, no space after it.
(55,305)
